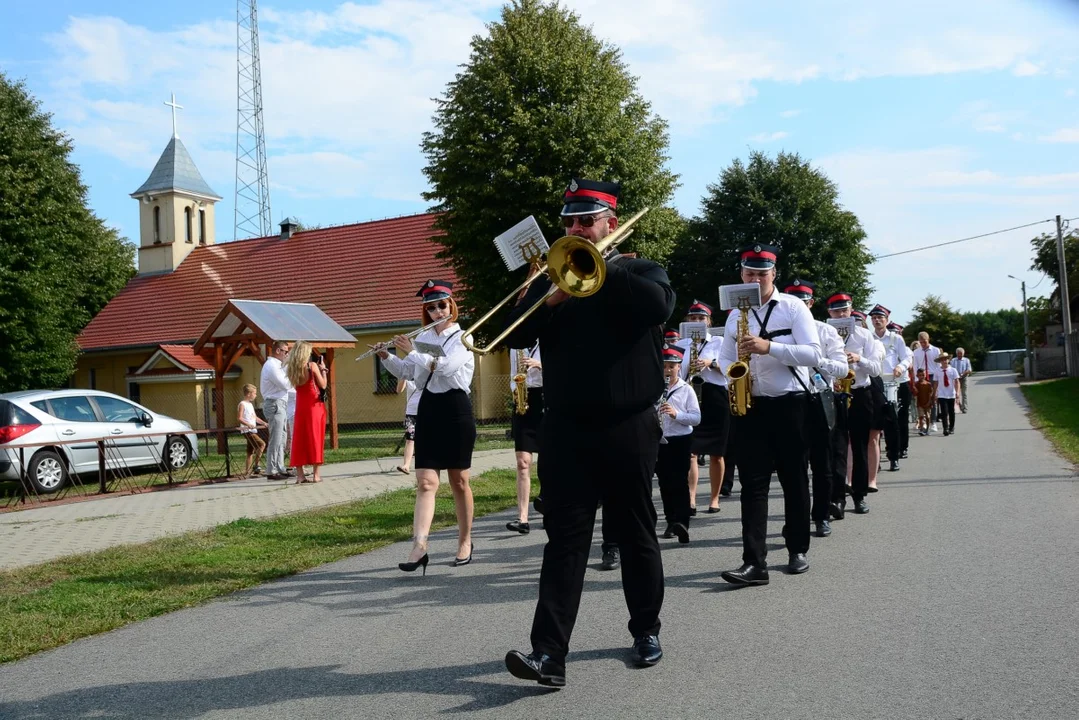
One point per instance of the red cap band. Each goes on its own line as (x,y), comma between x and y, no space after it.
(840,297)
(436,288)
(799,288)
(580,194)
(763,255)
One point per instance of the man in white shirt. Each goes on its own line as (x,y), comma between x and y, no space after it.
(897,359)
(864,356)
(962,366)
(832,366)
(274,386)
(782,344)
(903,408)
(925,358)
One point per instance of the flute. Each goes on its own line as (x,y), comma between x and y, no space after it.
(382,346)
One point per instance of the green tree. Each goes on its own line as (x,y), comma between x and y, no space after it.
(781,201)
(59,264)
(540,100)
(1045,260)
(944,325)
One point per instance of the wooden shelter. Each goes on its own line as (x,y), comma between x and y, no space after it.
(252,326)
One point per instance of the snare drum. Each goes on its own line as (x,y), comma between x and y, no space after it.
(891,392)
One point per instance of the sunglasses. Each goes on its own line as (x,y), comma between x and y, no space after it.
(441,305)
(585,221)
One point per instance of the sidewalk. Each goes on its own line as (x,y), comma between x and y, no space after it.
(44,533)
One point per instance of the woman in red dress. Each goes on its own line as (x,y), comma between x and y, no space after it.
(307,373)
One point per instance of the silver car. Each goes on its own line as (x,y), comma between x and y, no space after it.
(42,418)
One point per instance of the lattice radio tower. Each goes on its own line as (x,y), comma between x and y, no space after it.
(252,178)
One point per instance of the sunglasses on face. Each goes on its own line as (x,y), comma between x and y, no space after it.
(585,221)
(441,305)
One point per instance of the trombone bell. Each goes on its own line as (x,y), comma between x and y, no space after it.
(576,266)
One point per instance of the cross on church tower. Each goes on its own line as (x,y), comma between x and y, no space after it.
(174,107)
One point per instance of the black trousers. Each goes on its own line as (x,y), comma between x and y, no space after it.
(891,430)
(840,438)
(819,438)
(672,469)
(731,460)
(580,465)
(859,422)
(772,436)
(946,413)
(903,418)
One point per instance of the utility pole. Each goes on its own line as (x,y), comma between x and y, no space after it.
(1065,305)
(1028,364)
(252,209)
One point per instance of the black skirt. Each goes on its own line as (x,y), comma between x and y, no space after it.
(445,431)
(710,437)
(526,428)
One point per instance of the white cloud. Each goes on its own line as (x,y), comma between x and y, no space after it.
(1063,135)
(790,113)
(769,137)
(1026,68)
(985,116)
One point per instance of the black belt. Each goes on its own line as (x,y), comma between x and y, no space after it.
(784,396)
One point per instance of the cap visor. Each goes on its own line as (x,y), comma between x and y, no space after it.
(582,208)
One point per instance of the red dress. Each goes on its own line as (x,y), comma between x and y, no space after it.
(309,426)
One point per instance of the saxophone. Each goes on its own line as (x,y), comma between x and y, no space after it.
(845,384)
(739,381)
(694,351)
(520,392)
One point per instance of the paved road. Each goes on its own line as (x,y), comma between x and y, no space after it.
(954,598)
(49,531)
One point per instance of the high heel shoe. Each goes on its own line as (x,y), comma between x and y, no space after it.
(458,562)
(411,566)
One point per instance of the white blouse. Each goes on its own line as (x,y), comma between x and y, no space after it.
(452,372)
(681,397)
(709,351)
(871,350)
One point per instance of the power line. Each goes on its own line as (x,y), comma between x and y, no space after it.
(966,239)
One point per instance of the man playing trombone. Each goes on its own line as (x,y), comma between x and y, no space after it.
(602,375)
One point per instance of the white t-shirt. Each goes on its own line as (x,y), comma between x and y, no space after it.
(947,391)
(247,415)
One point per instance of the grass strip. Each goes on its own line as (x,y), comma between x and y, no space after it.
(47,605)
(1055,408)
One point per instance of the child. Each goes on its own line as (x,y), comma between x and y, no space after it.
(249,425)
(923,390)
(679,411)
(412,408)
(947,389)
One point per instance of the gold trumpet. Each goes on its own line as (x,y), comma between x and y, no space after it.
(845,383)
(739,381)
(574,265)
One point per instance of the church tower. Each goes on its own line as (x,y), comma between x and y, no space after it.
(176,208)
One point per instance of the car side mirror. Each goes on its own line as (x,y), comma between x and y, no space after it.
(146,419)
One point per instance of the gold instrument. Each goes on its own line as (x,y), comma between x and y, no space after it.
(574,265)
(739,381)
(520,392)
(694,352)
(845,384)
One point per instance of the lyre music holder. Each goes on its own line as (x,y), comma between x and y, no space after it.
(742,296)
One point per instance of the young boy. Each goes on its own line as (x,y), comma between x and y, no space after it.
(678,411)
(923,390)
(947,390)
(249,426)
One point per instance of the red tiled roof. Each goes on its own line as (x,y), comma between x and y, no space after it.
(185,356)
(363,274)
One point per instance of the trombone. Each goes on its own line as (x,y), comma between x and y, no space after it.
(574,265)
(382,346)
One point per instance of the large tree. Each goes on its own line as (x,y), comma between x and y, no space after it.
(59,264)
(540,100)
(782,201)
(1046,261)
(945,325)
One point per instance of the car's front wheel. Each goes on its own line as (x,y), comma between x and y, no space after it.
(177,453)
(47,471)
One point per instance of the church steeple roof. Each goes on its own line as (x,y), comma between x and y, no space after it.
(176,171)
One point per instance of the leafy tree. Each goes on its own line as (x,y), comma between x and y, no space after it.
(1045,260)
(59,264)
(540,100)
(781,201)
(1040,312)
(944,325)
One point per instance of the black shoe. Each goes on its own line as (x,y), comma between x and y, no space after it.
(903,454)
(610,559)
(411,566)
(824,528)
(702,460)
(946,433)
(725,492)
(518,526)
(746,575)
(836,511)
(894,466)
(458,562)
(668,533)
(681,531)
(798,563)
(692,511)
(646,651)
(861,507)
(537,505)
(536,666)
(712,510)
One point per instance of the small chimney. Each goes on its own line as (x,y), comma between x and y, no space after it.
(288,227)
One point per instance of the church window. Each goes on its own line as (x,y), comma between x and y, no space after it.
(187,225)
(202,226)
(157,224)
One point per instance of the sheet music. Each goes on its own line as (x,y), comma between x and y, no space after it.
(696,331)
(843,326)
(432,349)
(714,332)
(521,242)
(730,295)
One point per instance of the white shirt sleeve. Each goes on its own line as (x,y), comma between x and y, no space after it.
(399,368)
(688,409)
(872,356)
(904,354)
(805,350)
(833,362)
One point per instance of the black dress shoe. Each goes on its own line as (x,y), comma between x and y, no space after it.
(836,511)
(798,563)
(668,533)
(646,651)
(536,666)
(518,526)
(824,528)
(746,575)
(725,492)
(712,510)
(537,505)
(903,454)
(681,532)
(894,465)
(611,560)
(692,511)
(861,507)
(458,562)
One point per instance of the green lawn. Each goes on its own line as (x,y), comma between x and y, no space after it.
(47,605)
(1055,410)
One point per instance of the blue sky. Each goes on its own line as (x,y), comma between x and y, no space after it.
(936,120)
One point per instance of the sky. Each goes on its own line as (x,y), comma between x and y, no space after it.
(937,121)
